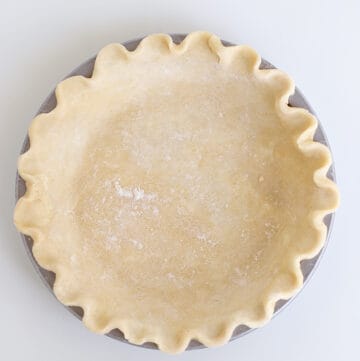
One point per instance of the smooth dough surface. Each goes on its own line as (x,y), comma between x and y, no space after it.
(174,193)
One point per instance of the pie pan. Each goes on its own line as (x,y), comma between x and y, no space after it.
(307,266)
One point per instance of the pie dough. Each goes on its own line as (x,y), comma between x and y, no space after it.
(174,193)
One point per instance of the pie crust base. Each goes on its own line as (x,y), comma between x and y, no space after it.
(174,193)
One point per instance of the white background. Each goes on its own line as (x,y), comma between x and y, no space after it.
(316,42)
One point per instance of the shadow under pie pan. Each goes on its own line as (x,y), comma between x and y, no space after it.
(307,266)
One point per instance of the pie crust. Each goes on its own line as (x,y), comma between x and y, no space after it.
(174,193)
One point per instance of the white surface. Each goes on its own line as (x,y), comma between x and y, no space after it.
(316,42)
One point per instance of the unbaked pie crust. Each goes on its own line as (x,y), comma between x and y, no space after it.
(174,193)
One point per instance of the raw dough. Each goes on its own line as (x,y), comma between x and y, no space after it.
(175,192)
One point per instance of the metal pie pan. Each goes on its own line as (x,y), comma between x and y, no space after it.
(307,266)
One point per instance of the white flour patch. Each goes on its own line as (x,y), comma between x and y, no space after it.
(178,282)
(137,244)
(136,193)
(204,238)
(122,192)
(170,276)
(180,136)
(111,242)
(271,229)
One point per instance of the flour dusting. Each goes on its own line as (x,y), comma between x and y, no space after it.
(123,192)
(240,277)
(205,238)
(135,193)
